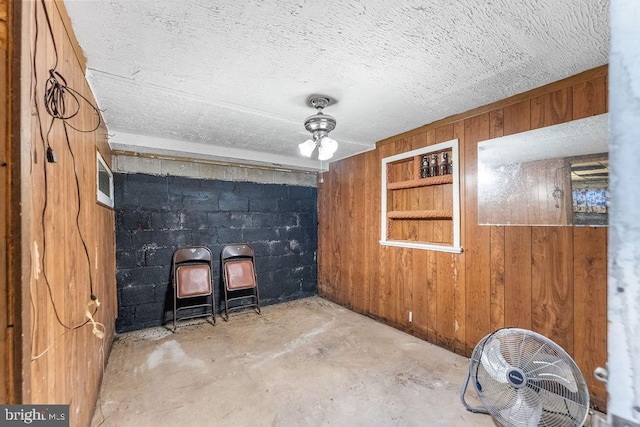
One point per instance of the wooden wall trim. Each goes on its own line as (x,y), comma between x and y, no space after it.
(585,76)
(22,207)
(6,344)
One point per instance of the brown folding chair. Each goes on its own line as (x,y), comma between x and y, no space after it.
(239,277)
(192,279)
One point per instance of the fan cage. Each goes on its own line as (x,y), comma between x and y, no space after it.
(554,393)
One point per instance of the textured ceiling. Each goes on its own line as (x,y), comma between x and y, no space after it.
(228,79)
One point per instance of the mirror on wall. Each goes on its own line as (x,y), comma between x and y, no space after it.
(557,175)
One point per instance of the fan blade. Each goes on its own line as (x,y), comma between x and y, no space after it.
(494,363)
(526,410)
(547,367)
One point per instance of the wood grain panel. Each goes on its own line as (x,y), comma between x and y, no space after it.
(552,284)
(517,276)
(6,347)
(496,129)
(552,247)
(512,276)
(458,264)
(445,279)
(62,365)
(372,186)
(589,98)
(360,292)
(590,301)
(590,267)
(477,239)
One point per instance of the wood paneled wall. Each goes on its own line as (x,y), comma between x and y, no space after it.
(549,279)
(59,210)
(5,61)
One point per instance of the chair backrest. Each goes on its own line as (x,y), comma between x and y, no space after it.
(192,271)
(239,274)
(192,254)
(237,261)
(236,250)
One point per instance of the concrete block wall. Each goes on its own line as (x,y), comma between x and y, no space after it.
(156,214)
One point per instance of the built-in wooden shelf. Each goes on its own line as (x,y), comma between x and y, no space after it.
(422,214)
(412,206)
(422,182)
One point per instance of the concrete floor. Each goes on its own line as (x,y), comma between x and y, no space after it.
(304,363)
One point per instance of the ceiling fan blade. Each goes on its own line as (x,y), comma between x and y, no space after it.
(526,410)
(547,367)
(494,362)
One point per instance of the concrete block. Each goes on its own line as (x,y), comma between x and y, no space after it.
(263,205)
(238,219)
(233,202)
(237,174)
(158,256)
(229,235)
(142,276)
(260,175)
(220,187)
(250,235)
(288,219)
(288,205)
(179,238)
(298,192)
(184,185)
(134,165)
(218,219)
(125,321)
(151,313)
(129,259)
(146,238)
(134,220)
(178,168)
(201,202)
(134,296)
(154,199)
(265,219)
(168,220)
(211,171)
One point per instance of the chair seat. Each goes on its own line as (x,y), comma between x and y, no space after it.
(240,275)
(193,280)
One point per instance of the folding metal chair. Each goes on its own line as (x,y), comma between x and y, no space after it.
(192,279)
(239,277)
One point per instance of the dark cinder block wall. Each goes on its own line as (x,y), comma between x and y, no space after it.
(157,214)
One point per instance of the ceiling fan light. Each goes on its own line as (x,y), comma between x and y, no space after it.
(323,155)
(325,151)
(330,145)
(307,147)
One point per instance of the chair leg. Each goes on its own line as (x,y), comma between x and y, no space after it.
(257,299)
(213,307)
(175,309)
(226,304)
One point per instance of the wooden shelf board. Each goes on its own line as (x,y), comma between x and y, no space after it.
(422,182)
(423,214)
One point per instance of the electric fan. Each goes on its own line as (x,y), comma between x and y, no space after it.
(524,379)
